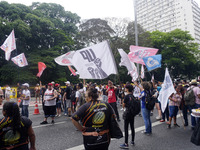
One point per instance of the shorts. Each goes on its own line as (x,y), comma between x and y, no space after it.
(173,111)
(68,103)
(50,111)
(58,105)
(37,94)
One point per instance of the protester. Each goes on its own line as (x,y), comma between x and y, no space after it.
(104,95)
(1,96)
(80,96)
(112,98)
(15,131)
(145,112)
(196,91)
(129,119)
(7,93)
(58,99)
(25,97)
(95,116)
(174,102)
(37,92)
(67,99)
(73,99)
(50,96)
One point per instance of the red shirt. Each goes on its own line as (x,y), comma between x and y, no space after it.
(111,95)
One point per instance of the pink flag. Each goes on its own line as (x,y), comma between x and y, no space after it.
(9,45)
(41,68)
(20,60)
(72,70)
(65,59)
(137,53)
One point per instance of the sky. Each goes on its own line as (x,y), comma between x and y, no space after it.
(88,9)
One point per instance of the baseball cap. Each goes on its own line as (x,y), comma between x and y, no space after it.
(67,82)
(56,85)
(25,84)
(50,84)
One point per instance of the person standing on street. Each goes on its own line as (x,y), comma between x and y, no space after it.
(129,118)
(7,93)
(37,92)
(15,131)
(67,99)
(112,98)
(50,96)
(25,97)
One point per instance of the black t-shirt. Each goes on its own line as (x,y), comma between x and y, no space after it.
(68,92)
(104,91)
(21,136)
(94,115)
(127,100)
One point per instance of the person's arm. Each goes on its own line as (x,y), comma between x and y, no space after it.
(78,125)
(64,96)
(31,136)
(55,96)
(141,89)
(172,99)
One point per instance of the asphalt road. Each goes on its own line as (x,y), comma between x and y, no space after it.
(63,135)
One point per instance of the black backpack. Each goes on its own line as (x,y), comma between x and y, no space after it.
(149,100)
(133,109)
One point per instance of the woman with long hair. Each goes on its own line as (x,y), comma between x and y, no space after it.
(15,131)
(95,116)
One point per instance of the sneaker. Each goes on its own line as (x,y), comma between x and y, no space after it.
(185,124)
(65,114)
(169,126)
(52,121)
(132,143)
(59,115)
(158,118)
(162,120)
(44,122)
(144,132)
(176,125)
(124,146)
(151,114)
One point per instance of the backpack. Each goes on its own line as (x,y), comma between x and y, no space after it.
(133,109)
(149,100)
(189,97)
(82,99)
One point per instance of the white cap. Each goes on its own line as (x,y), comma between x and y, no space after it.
(53,82)
(67,82)
(25,84)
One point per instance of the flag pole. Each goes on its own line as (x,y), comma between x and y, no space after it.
(136,28)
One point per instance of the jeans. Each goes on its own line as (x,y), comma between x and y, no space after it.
(193,119)
(147,120)
(126,123)
(114,106)
(25,110)
(185,113)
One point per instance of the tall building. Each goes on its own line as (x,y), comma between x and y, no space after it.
(168,15)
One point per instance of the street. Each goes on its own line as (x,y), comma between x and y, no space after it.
(64,136)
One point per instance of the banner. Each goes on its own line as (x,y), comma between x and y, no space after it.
(142,72)
(137,53)
(20,60)
(9,45)
(65,59)
(153,62)
(95,62)
(72,70)
(41,68)
(132,70)
(166,90)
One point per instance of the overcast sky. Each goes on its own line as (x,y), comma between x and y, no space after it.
(87,9)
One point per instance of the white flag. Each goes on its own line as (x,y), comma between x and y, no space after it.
(125,61)
(166,90)
(65,59)
(142,72)
(95,62)
(9,45)
(20,60)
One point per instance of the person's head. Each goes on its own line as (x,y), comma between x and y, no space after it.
(25,85)
(110,84)
(67,83)
(80,85)
(146,86)
(194,82)
(129,88)
(11,109)
(177,88)
(37,84)
(50,86)
(57,85)
(92,94)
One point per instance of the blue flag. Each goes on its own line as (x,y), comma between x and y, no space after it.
(153,62)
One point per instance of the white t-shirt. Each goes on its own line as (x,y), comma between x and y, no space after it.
(136,92)
(26,93)
(47,95)
(7,91)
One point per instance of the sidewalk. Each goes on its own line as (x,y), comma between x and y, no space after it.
(32,102)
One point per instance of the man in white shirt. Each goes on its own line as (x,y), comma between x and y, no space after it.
(25,97)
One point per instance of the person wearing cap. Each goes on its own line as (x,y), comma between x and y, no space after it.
(67,99)
(196,91)
(25,97)
(37,92)
(50,96)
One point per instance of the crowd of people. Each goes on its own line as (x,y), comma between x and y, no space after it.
(90,107)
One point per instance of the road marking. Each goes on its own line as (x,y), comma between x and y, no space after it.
(81,147)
